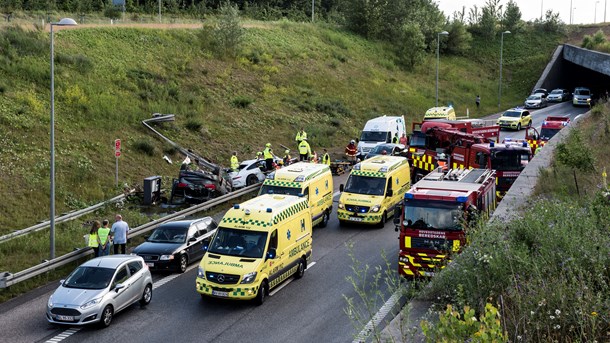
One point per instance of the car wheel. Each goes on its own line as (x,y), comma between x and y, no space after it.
(300,270)
(184,262)
(384,218)
(107,315)
(262,293)
(518,126)
(146,296)
(529,124)
(325,219)
(251,179)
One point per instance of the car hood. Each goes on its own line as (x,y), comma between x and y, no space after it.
(75,296)
(157,248)
(508,119)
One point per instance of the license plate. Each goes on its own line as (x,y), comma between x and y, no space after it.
(356,219)
(150,264)
(220,294)
(66,318)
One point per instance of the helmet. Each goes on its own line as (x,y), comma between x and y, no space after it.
(352,142)
(268,145)
(287,152)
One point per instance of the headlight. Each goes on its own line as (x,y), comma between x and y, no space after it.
(403,259)
(50,302)
(341,205)
(90,303)
(375,208)
(249,278)
(166,257)
(201,273)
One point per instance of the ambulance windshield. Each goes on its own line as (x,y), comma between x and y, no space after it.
(432,215)
(268,189)
(365,185)
(235,242)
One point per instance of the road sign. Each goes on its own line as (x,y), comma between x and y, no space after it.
(117,145)
(117,154)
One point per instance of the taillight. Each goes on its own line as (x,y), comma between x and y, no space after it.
(213,187)
(182,185)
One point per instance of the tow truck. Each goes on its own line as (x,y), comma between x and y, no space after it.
(550,126)
(434,214)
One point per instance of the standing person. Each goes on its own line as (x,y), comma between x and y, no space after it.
(119,232)
(326,157)
(104,235)
(304,150)
(395,138)
(94,240)
(351,150)
(403,140)
(478,101)
(234,162)
(287,158)
(301,135)
(268,155)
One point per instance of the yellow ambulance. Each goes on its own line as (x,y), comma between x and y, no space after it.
(313,180)
(373,189)
(258,245)
(442,112)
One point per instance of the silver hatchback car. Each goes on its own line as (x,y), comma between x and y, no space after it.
(98,289)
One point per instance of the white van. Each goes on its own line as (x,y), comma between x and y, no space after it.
(380,130)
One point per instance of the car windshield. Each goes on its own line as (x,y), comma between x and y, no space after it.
(235,242)
(373,136)
(509,160)
(512,114)
(546,134)
(533,97)
(89,278)
(557,91)
(268,189)
(365,185)
(432,215)
(581,92)
(168,234)
(381,148)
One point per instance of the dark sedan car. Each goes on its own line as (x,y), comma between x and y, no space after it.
(173,245)
(390,149)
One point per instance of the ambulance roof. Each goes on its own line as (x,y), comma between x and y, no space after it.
(263,211)
(295,174)
(378,166)
(440,110)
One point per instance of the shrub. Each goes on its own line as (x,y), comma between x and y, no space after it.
(242,101)
(456,327)
(144,146)
(193,125)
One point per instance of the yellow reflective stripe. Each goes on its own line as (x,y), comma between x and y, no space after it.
(456,245)
(407,242)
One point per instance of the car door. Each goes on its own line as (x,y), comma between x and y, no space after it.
(122,297)
(137,278)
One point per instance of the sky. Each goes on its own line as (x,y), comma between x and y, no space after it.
(583,11)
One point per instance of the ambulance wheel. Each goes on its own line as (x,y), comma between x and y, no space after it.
(300,270)
(384,218)
(325,219)
(261,296)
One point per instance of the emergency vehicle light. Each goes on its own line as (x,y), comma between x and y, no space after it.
(300,178)
(491,144)
(524,144)
(408,196)
(383,170)
(269,210)
(236,206)
(247,211)
(544,122)
(461,199)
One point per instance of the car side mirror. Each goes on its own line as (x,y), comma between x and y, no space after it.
(61,282)
(271,254)
(192,239)
(118,287)
(341,188)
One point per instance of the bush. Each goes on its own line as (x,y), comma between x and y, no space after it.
(144,146)
(242,101)
(193,125)
(456,327)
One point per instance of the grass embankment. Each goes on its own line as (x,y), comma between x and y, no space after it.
(287,76)
(547,270)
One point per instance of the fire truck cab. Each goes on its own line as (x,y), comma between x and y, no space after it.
(435,213)
(550,126)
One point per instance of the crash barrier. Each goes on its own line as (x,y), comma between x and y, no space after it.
(62,219)
(7,279)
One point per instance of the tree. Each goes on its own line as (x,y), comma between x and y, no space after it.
(458,42)
(575,154)
(511,20)
(411,49)
(550,24)
(229,32)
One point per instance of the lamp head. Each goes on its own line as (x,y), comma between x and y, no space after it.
(65,22)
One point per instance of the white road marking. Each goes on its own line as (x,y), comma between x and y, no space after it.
(169,278)
(377,318)
(287,282)
(63,335)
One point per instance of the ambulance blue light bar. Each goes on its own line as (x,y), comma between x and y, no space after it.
(409,196)
(461,199)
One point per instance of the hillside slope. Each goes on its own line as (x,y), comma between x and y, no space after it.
(289,75)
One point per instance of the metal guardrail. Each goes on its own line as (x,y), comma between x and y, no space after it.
(7,279)
(64,218)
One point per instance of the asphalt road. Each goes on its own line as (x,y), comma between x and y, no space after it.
(306,310)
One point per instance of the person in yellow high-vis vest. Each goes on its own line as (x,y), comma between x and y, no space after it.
(234,162)
(103,233)
(304,150)
(94,239)
(326,157)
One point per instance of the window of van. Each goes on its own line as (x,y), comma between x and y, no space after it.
(365,185)
(268,189)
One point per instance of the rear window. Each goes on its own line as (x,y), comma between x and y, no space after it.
(582,92)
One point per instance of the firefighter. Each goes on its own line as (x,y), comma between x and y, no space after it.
(268,155)
(538,150)
(301,135)
(304,150)
(234,161)
(326,157)
(350,151)
(287,159)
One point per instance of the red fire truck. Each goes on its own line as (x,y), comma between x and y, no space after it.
(434,214)
(550,126)
(457,149)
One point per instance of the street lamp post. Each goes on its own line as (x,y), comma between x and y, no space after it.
(63,22)
(571,12)
(501,48)
(313,6)
(438,47)
(595,13)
